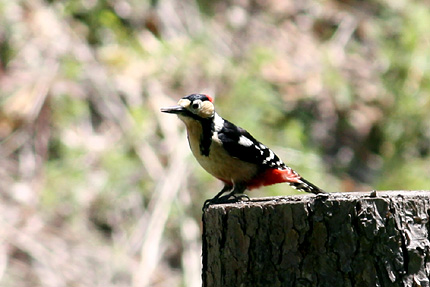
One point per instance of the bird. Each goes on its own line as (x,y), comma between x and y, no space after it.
(230,153)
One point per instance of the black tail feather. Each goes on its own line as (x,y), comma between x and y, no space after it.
(306,186)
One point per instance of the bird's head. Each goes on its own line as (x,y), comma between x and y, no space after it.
(194,106)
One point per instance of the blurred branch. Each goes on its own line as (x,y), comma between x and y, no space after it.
(191,236)
(23,107)
(159,208)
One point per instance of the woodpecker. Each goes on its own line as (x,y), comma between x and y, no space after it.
(230,153)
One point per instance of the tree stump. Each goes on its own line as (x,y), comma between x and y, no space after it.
(341,239)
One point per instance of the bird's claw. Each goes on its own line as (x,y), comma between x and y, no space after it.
(228,198)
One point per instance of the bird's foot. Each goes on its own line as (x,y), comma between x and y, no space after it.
(228,198)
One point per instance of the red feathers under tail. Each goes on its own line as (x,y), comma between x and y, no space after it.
(272,176)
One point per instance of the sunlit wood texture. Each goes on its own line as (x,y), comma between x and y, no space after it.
(354,239)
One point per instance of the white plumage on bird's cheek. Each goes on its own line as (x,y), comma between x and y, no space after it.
(206,109)
(203,109)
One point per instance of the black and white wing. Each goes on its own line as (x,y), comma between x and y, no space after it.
(241,144)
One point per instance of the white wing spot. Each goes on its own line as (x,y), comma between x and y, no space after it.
(218,122)
(245,141)
(271,155)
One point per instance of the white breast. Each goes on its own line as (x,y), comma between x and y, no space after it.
(219,163)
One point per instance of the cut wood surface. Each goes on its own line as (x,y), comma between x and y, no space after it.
(340,239)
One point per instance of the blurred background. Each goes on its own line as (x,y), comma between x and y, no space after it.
(98,188)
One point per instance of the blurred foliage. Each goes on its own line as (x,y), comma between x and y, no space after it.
(95,176)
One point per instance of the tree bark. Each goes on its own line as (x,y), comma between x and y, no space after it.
(343,239)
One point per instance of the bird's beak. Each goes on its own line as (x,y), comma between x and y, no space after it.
(173,110)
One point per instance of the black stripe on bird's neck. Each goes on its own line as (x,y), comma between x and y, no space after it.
(208,128)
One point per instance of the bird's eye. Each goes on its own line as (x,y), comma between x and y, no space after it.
(195,106)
